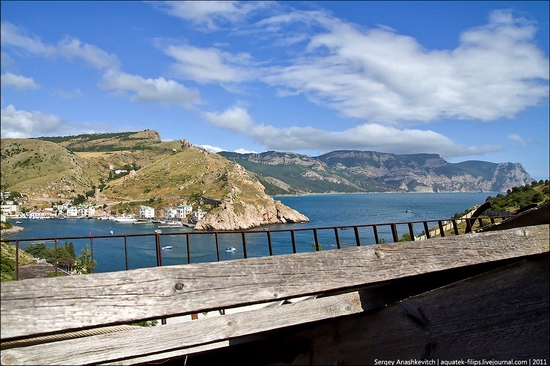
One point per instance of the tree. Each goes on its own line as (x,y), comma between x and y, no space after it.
(79,199)
(84,264)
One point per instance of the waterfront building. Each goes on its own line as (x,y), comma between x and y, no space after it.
(146,212)
(10,208)
(178,213)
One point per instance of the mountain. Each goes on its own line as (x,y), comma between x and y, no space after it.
(369,171)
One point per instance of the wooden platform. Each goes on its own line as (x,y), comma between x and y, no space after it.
(477,295)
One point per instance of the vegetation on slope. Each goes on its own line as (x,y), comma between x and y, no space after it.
(7,261)
(521,196)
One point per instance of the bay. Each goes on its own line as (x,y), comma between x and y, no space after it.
(323,210)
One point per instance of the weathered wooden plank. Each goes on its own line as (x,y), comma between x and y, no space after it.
(33,307)
(207,332)
(499,315)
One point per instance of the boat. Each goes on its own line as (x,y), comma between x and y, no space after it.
(174,223)
(18,222)
(407,210)
(230,249)
(111,232)
(167,247)
(158,231)
(125,219)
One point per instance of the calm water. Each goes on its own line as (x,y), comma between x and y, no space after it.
(322,210)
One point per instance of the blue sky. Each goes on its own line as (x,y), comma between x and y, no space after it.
(466,80)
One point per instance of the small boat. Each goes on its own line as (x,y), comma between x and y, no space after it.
(407,210)
(18,222)
(158,231)
(111,232)
(125,219)
(230,249)
(167,247)
(174,223)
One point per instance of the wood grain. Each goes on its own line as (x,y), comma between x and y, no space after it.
(206,333)
(34,307)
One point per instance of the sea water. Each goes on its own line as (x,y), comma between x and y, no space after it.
(123,249)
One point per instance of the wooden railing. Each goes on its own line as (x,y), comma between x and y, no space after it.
(48,321)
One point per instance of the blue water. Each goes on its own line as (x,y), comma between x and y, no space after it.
(322,210)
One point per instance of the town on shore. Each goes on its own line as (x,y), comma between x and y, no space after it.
(183,214)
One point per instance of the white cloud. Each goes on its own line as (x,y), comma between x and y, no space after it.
(210,15)
(18,82)
(371,136)
(69,48)
(73,48)
(151,90)
(12,35)
(23,124)
(210,65)
(233,119)
(244,151)
(211,148)
(383,77)
(525,142)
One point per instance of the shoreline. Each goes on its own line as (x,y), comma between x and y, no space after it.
(12,230)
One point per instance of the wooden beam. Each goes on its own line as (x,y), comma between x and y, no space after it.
(172,339)
(41,306)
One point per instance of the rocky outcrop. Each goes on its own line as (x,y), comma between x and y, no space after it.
(232,215)
(247,206)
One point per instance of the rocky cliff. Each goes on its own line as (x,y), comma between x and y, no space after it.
(368,171)
(246,206)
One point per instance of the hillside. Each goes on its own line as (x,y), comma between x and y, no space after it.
(367,171)
(142,170)
(45,170)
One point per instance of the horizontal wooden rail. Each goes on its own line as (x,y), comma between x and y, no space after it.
(41,306)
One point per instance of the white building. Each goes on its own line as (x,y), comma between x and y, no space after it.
(10,209)
(81,211)
(146,212)
(72,211)
(41,214)
(86,210)
(177,213)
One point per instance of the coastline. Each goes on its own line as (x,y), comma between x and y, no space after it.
(12,230)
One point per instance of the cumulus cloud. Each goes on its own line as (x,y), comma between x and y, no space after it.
(151,90)
(384,77)
(234,119)
(23,124)
(17,81)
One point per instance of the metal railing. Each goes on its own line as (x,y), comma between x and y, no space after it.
(379,233)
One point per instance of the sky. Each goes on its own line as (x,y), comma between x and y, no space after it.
(465,80)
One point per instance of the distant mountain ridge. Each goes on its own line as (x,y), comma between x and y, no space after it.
(369,171)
